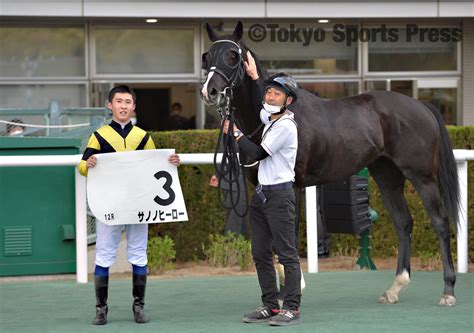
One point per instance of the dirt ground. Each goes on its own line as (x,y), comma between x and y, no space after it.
(203,269)
(336,263)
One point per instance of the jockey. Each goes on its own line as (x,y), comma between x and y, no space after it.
(120,135)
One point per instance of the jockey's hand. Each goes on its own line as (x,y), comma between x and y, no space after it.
(174,159)
(91,162)
(251,67)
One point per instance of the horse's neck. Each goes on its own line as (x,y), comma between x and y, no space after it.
(248,113)
(248,116)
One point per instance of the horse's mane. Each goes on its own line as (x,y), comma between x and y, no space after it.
(262,72)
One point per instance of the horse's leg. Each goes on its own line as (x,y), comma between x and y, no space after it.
(429,193)
(391,184)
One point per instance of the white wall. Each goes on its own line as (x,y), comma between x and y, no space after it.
(238,9)
(41,8)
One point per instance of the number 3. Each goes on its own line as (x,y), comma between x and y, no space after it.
(166,187)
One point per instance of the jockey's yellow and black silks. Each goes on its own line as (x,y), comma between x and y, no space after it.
(112,138)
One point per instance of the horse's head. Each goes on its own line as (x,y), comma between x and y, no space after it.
(224,63)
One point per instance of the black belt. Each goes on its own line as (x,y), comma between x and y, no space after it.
(276,187)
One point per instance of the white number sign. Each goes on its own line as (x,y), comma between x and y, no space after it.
(135,187)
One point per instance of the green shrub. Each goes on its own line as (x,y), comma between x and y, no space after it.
(206,217)
(161,254)
(229,250)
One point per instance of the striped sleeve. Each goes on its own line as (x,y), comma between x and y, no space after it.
(93,147)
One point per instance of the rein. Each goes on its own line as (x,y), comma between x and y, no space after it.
(230,168)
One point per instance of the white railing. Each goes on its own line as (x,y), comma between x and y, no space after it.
(462,156)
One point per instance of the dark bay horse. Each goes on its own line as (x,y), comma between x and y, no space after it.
(397,137)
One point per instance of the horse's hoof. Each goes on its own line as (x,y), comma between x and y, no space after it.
(447,300)
(388,298)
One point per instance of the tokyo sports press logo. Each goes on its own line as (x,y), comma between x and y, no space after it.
(350,34)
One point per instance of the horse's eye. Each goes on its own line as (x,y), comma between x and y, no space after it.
(231,58)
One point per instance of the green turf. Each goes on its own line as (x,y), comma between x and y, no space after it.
(332,302)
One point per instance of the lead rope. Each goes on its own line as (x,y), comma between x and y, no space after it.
(230,169)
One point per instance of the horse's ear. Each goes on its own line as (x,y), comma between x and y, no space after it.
(238,31)
(210,32)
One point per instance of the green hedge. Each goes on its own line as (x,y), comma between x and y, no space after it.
(206,217)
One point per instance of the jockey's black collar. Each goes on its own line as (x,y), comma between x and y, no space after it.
(118,128)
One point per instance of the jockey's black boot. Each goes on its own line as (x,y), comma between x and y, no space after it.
(139,285)
(101,293)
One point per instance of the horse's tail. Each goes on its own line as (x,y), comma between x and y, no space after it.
(447,169)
